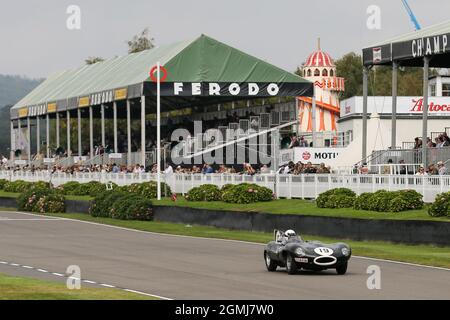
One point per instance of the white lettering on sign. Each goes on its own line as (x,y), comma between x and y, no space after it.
(253,89)
(214,89)
(234,89)
(196,89)
(429,46)
(177,88)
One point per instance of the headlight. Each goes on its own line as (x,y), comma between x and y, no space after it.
(345,251)
(299,252)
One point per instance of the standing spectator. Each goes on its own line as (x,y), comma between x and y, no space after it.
(294,142)
(303,142)
(442,170)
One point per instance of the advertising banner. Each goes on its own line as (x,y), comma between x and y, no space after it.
(316,155)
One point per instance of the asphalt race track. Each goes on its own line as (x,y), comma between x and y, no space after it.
(191,268)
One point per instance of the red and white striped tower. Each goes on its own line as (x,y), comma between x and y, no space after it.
(320,69)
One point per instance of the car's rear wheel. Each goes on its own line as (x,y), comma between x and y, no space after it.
(270,264)
(342,269)
(291,265)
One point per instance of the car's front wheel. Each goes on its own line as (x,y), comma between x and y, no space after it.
(342,269)
(270,264)
(291,265)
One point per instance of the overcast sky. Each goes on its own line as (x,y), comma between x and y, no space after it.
(34,39)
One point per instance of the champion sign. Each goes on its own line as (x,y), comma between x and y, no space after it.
(429,46)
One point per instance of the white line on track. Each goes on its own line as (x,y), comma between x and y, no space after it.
(37,219)
(87,281)
(229,240)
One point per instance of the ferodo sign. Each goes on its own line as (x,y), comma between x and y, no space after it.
(230,89)
(316,155)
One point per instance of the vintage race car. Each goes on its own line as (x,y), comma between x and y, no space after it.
(290,251)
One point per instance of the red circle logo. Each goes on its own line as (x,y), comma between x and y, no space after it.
(306,155)
(162,70)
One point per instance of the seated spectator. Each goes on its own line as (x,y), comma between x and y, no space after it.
(421,172)
(442,170)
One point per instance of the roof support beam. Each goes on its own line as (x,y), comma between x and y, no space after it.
(116,150)
(80,152)
(69,151)
(426,67)
(47,135)
(143,131)
(102,113)
(38,135)
(29,138)
(57,131)
(129,132)
(91,132)
(364,114)
(394,105)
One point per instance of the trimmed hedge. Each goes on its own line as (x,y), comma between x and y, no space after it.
(17,186)
(41,200)
(103,202)
(206,192)
(92,188)
(148,189)
(381,201)
(440,206)
(247,193)
(336,198)
(3,182)
(132,207)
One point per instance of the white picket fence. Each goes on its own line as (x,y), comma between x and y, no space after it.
(284,186)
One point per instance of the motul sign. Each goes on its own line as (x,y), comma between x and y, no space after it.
(432,107)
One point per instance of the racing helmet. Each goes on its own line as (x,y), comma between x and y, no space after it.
(290,233)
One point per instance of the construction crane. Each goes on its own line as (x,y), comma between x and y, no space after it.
(411,15)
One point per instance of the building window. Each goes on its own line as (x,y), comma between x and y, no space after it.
(433,90)
(309,72)
(331,73)
(325,73)
(446,90)
(317,73)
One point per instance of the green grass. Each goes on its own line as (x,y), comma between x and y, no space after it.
(16,195)
(301,207)
(20,288)
(421,254)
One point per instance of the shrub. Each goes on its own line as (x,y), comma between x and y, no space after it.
(247,193)
(17,186)
(41,200)
(132,207)
(206,192)
(340,201)
(413,198)
(103,202)
(3,182)
(336,198)
(362,201)
(440,206)
(389,201)
(70,188)
(148,189)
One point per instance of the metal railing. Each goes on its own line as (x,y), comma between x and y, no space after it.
(389,168)
(410,156)
(305,186)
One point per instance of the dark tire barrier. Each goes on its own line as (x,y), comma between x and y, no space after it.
(399,231)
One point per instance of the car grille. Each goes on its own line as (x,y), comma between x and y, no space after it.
(325,261)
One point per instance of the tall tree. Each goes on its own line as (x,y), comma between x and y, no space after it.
(141,42)
(93,60)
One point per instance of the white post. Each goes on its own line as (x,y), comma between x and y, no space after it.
(129,132)
(80,153)
(91,132)
(38,135)
(12,141)
(314,127)
(57,130)
(158,126)
(69,152)
(115,126)
(29,138)
(143,130)
(19,126)
(47,134)
(102,112)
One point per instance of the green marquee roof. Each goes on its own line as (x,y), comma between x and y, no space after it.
(202,59)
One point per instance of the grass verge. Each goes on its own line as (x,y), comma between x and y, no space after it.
(421,254)
(301,207)
(20,288)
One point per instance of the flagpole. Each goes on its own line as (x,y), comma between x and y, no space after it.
(158,127)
